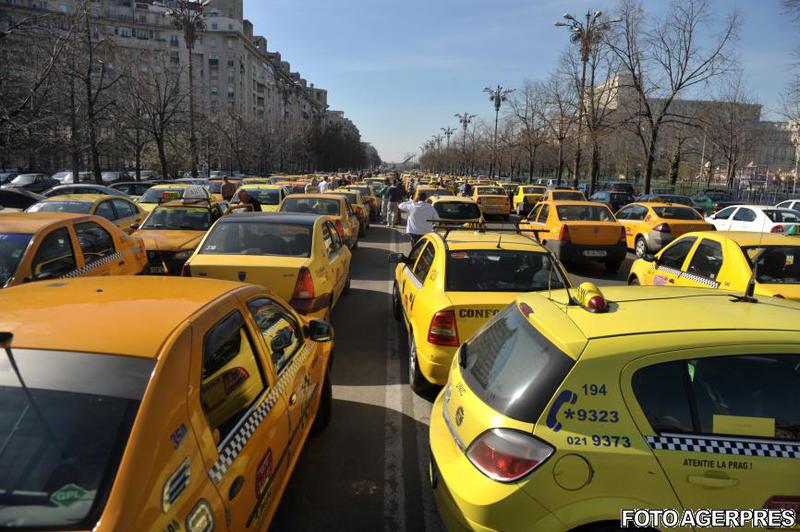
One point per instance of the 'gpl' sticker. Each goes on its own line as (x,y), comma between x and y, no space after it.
(564,398)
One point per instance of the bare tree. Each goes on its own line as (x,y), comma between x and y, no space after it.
(527,110)
(663,60)
(559,114)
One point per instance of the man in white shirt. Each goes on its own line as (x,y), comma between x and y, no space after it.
(419,214)
(325,185)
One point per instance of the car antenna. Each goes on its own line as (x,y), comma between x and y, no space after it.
(499,239)
(750,290)
(5,344)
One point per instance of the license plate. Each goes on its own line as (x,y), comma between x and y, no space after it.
(595,253)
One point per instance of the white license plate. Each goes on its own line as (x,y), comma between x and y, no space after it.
(595,253)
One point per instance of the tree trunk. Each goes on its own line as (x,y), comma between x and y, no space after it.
(560,171)
(650,160)
(595,167)
(162,156)
(675,164)
(73,128)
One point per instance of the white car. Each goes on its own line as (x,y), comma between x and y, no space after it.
(793,204)
(754,218)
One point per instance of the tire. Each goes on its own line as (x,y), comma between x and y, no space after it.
(640,246)
(397,310)
(355,246)
(613,266)
(416,380)
(362,230)
(324,411)
(634,281)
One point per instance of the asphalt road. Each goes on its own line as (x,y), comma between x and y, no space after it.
(368,469)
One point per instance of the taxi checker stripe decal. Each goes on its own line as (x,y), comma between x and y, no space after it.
(739,447)
(667,269)
(245,430)
(699,279)
(92,265)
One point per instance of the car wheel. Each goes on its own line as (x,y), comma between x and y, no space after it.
(640,247)
(613,266)
(397,310)
(419,384)
(355,246)
(323,417)
(362,230)
(634,281)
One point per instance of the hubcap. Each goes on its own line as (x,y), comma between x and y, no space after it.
(412,360)
(640,247)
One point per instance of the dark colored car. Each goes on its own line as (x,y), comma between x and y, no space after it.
(615,200)
(666,198)
(33,182)
(135,188)
(13,199)
(622,187)
(61,190)
(6,177)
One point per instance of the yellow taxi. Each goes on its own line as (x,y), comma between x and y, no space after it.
(337,208)
(44,246)
(728,260)
(651,226)
(120,211)
(215,187)
(579,231)
(368,197)
(452,282)
(423,193)
(458,210)
(509,186)
(194,423)
(172,232)
(526,196)
(155,195)
(563,194)
(492,200)
(293,187)
(359,205)
(298,256)
(269,196)
(568,408)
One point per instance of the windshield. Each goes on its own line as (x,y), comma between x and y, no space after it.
(568,195)
(295,189)
(352,199)
(77,207)
(25,179)
(499,270)
(677,213)
(154,195)
(364,191)
(214,188)
(584,213)
(491,191)
(621,196)
(258,238)
(512,367)
(311,205)
(12,247)
(188,218)
(457,210)
(683,200)
(786,216)
(58,460)
(533,190)
(264,197)
(776,264)
(717,195)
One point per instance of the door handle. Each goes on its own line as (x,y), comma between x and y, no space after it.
(712,482)
(121,263)
(293,399)
(236,487)
(671,281)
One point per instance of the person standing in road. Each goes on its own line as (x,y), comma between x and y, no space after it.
(246,199)
(420,214)
(325,185)
(393,196)
(227,189)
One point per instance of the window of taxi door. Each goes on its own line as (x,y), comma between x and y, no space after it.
(331,245)
(675,255)
(744,215)
(542,218)
(232,378)
(95,241)
(55,256)
(707,259)
(123,209)
(280,331)
(424,263)
(534,213)
(105,210)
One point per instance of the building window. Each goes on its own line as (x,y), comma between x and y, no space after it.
(173,40)
(174,58)
(214,26)
(212,42)
(213,59)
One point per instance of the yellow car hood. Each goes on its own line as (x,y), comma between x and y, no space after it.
(787,291)
(169,240)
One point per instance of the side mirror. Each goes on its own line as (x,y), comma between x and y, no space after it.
(649,257)
(320,331)
(398,258)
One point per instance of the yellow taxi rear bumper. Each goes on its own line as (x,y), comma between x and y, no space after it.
(434,362)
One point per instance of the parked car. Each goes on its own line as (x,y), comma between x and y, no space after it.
(754,218)
(13,199)
(134,189)
(665,198)
(6,177)
(113,177)
(66,178)
(32,182)
(793,204)
(707,200)
(621,186)
(614,200)
(61,190)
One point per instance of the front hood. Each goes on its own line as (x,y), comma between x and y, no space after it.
(788,291)
(168,240)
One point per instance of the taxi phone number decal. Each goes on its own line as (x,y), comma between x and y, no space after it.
(599,440)
(563,407)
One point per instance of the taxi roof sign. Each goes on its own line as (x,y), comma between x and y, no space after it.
(195,192)
(170,195)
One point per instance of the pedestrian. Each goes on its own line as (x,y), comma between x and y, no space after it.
(227,189)
(420,214)
(383,194)
(394,195)
(325,185)
(246,200)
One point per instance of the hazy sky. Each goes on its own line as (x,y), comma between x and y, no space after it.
(400,69)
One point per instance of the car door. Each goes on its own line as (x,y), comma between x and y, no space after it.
(408,279)
(670,261)
(238,414)
(336,265)
(703,265)
(743,220)
(417,276)
(722,219)
(54,256)
(126,214)
(99,252)
(630,220)
(722,423)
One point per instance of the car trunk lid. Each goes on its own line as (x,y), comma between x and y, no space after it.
(594,233)
(277,273)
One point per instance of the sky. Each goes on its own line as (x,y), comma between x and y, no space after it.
(401,69)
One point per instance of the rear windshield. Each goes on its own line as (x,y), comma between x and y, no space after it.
(154,195)
(488,191)
(181,218)
(568,196)
(295,189)
(776,264)
(63,440)
(364,191)
(683,200)
(352,199)
(677,213)
(311,205)
(782,216)
(533,190)
(621,196)
(512,367)
(500,270)
(214,188)
(12,247)
(258,238)
(77,207)
(456,210)
(264,197)
(584,213)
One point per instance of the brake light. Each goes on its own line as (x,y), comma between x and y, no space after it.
(507,455)
(234,378)
(443,330)
(304,287)
(622,238)
(340,228)
(186,271)
(662,228)
(776,229)
(563,233)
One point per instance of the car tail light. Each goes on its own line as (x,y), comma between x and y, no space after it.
(507,455)
(776,229)
(662,228)
(563,234)
(234,378)
(304,288)
(443,330)
(784,502)
(340,228)
(186,271)
(622,238)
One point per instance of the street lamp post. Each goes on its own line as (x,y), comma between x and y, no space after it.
(465,120)
(188,16)
(587,34)
(448,131)
(497,96)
